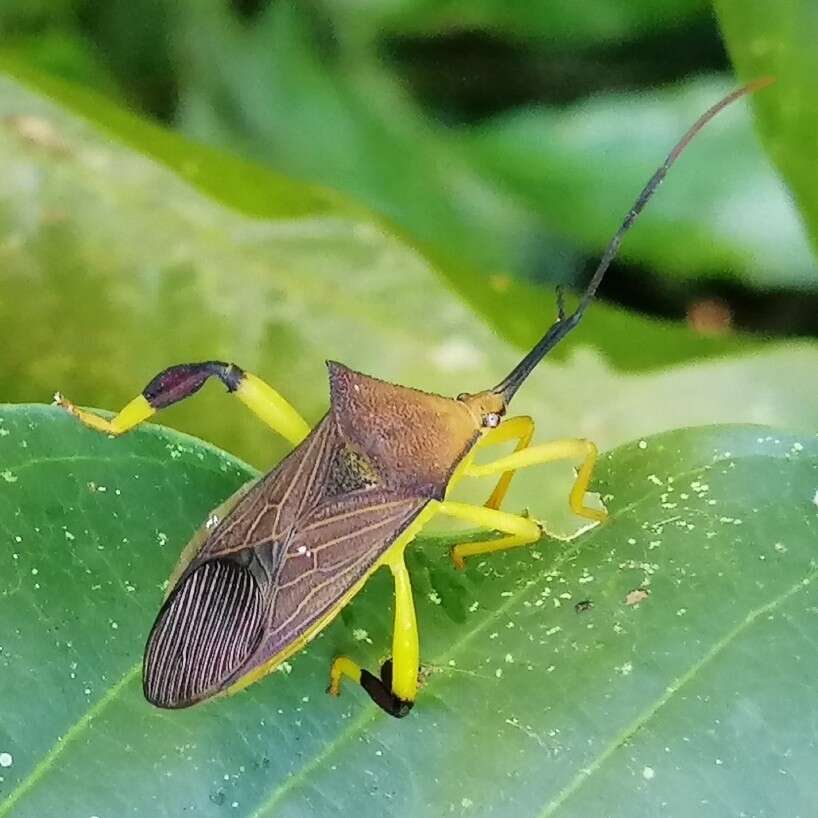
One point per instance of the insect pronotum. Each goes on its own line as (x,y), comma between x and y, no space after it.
(289,551)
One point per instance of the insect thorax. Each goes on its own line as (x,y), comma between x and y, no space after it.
(401,437)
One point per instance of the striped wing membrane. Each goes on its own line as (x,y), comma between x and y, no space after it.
(206,629)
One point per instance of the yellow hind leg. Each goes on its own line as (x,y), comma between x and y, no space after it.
(395,690)
(183,380)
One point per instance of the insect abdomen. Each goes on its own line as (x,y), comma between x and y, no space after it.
(204,632)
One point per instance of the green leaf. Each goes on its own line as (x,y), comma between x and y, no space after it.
(778,41)
(607,707)
(723,211)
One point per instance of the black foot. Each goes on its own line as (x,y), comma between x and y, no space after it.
(380,691)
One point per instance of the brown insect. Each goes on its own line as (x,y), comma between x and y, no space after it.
(279,560)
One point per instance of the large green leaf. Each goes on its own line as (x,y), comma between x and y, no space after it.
(533,706)
(723,211)
(777,40)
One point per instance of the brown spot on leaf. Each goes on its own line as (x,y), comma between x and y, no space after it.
(37,131)
(636,596)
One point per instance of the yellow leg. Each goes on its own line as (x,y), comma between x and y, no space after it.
(521,530)
(405,641)
(395,690)
(519,428)
(132,415)
(545,453)
(271,407)
(179,382)
(342,666)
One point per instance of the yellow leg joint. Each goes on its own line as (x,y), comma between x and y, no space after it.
(342,666)
(520,429)
(545,453)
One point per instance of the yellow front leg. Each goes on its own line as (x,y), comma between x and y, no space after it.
(557,450)
(519,428)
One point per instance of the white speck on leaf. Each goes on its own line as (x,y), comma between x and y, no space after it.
(648,773)
(9,476)
(643,444)
(6,759)
(361,635)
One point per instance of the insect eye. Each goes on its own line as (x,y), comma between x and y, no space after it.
(491,420)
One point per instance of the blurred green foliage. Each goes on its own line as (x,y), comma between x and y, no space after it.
(507,137)
(113,269)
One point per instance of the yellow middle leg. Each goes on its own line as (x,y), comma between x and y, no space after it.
(520,530)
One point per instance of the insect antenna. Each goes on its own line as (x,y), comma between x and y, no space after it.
(565,323)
